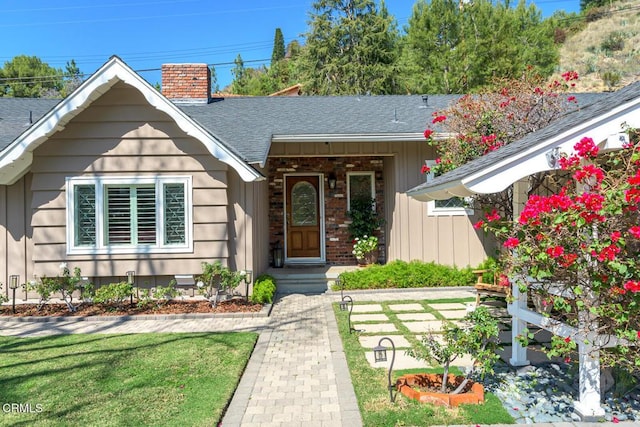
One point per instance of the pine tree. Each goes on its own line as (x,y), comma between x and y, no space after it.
(351,48)
(278,47)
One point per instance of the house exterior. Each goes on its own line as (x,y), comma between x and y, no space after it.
(118,177)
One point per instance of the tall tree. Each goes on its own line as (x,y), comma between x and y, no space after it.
(278,47)
(28,77)
(214,80)
(459,47)
(72,78)
(351,48)
(239,84)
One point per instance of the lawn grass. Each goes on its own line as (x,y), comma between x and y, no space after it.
(117,380)
(370,385)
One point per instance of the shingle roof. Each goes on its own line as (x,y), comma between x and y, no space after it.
(588,111)
(18,114)
(247,124)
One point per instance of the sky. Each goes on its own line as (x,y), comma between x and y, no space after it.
(149,33)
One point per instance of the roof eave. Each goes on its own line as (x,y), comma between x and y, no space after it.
(16,159)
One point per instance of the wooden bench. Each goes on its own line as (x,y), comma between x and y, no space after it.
(489,289)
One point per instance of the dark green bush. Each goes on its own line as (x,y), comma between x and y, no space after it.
(401,274)
(264,289)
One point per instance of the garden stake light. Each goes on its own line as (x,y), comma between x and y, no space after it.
(131,279)
(343,307)
(341,286)
(13,285)
(248,275)
(380,355)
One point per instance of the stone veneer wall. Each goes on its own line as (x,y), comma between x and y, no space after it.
(337,238)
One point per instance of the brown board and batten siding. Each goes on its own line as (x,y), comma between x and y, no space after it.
(416,235)
(120,134)
(14,231)
(411,234)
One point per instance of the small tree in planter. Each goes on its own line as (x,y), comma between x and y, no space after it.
(66,284)
(477,337)
(216,279)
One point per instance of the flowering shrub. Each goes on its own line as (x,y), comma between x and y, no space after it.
(482,123)
(364,245)
(579,248)
(66,284)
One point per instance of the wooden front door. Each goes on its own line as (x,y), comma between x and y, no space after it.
(303,217)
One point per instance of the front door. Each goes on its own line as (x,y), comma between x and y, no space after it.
(303,218)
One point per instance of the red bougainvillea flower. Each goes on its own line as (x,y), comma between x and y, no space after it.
(617,291)
(586,148)
(615,420)
(568,162)
(615,236)
(428,133)
(587,172)
(555,251)
(438,119)
(639,335)
(493,216)
(568,260)
(478,224)
(571,99)
(511,242)
(634,180)
(438,161)
(635,231)
(570,75)
(608,253)
(567,340)
(425,169)
(632,286)
(503,280)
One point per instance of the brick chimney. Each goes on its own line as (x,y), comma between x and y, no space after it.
(186,83)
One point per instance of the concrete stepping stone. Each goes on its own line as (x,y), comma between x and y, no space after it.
(406,307)
(370,341)
(356,318)
(402,360)
(416,316)
(448,306)
(376,327)
(367,308)
(453,314)
(425,326)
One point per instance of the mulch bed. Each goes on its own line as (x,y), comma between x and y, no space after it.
(170,307)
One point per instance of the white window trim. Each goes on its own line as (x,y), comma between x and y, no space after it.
(432,210)
(100,184)
(372,174)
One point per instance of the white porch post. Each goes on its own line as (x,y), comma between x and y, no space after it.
(518,327)
(588,406)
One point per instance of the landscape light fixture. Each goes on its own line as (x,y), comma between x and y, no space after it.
(14,279)
(380,355)
(131,280)
(248,276)
(347,302)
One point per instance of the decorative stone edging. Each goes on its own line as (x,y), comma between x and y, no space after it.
(265,312)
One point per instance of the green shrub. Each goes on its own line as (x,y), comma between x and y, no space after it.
(165,293)
(264,289)
(401,274)
(113,293)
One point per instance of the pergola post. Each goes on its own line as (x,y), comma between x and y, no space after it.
(518,327)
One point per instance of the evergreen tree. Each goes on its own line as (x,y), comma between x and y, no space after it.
(72,78)
(459,47)
(239,83)
(28,77)
(351,48)
(278,47)
(215,88)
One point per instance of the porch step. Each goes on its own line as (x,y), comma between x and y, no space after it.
(305,280)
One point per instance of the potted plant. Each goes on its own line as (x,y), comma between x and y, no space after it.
(365,249)
(364,222)
(476,336)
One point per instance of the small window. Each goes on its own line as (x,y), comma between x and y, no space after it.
(128,215)
(360,186)
(453,206)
